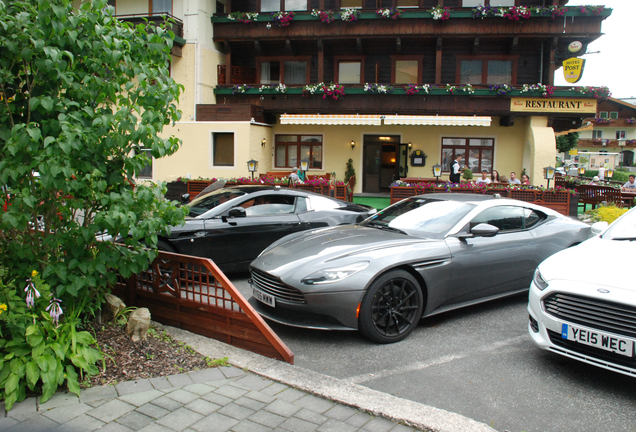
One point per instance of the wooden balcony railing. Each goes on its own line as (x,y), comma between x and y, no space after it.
(238,75)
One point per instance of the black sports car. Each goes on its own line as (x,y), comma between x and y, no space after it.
(233,225)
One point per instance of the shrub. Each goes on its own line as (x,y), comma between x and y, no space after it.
(608,213)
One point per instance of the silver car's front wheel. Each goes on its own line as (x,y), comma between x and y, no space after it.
(391,308)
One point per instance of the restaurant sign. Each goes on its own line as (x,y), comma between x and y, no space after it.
(573,69)
(553,105)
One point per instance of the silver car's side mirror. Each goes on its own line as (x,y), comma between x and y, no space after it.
(480,230)
(598,227)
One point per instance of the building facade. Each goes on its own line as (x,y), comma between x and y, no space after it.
(377,82)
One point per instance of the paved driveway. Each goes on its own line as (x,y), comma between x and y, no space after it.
(478,362)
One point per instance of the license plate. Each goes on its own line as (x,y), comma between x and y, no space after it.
(604,341)
(264,298)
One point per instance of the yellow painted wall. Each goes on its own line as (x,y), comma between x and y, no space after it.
(541,145)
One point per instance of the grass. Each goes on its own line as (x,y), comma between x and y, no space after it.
(376,202)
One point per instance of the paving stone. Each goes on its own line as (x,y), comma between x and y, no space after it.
(266,418)
(359,419)
(236,411)
(111,410)
(154,427)
(283,408)
(167,403)
(115,427)
(67,413)
(375,424)
(3,410)
(315,403)
(403,428)
(253,382)
(261,397)
(231,391)
(199,388)
(36,423)
(203,407)
(180,380)
(215,422)
(98,393)
(205,375)
(290,395)
(136,386)
(274,389)
(182,396)
(7,422)
(142,398)
(180,419)
(250,403)
(58,400)
(231,371)
(248,426)
(160,383)
(96,403)
(340,412)
(311,416)
(24,410)
(135,420)
(217,399)
(153,411)
(297,425)
(83,423)
(333,425)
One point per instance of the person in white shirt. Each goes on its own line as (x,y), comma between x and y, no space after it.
(513,178)
(483,179)
(601,173)
(630,185)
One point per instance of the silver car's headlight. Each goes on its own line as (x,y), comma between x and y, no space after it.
(539,281)
(334,274)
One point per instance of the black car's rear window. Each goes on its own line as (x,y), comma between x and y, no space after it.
(209,201)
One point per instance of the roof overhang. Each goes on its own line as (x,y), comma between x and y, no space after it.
(437,120)
(377,120)
(329,119)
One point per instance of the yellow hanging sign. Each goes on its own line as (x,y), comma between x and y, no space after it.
(573,69)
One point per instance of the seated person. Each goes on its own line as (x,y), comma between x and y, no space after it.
(525,180)
(484,179)
(630,185)
(297,175)
(513,178)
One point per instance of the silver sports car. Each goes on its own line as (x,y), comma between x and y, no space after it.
(422,256)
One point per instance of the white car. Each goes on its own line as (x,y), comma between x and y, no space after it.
(582,300)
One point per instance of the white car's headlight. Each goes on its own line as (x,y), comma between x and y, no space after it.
(539,281)
(334,274)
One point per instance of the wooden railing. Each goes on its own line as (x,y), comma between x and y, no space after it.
(339,191)
(191,293)
(238,75)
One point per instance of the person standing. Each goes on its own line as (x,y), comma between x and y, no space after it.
(456,170)
(601,173)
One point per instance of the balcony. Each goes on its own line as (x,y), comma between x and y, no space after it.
(605,143)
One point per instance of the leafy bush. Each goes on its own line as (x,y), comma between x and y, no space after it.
(82,97)
(468,174)
(608,213)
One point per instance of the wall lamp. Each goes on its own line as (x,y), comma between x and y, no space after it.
(353,144)
(263,142)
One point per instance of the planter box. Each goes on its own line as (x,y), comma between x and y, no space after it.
(175,190)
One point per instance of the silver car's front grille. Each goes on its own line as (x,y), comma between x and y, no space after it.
(597,314)
(272,286)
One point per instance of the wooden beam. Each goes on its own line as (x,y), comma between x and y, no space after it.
(321,61)
(438,61)
(514,45)
(288,47)
(257,47)
(552,69)
(398,45)
(475,45)
(359,45)
(228,65)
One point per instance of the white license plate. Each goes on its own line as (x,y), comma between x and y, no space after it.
(604,341)
(264,298)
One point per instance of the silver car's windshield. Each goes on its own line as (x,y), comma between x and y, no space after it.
(211,200)
(421,216)
(623,229)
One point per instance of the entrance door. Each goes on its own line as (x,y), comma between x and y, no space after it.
(371,174)
(403,160)
(381,162)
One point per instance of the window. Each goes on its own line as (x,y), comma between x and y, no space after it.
(473,3)
(480,153)
(284,5)
(602,114)
(506,218)
(484,70)
(223,149)
(349,71)
(291,149)
(621,134)
(350,4)
(161,6)
(407,71)
(269,205)
(597,134)
(408,4)
(293,72)
(613,114)
(146,171)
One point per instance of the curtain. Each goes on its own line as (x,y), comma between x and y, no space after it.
(499,72)
(295,72)
(162,6)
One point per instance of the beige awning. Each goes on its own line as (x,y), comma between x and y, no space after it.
(328,119)
(437,120)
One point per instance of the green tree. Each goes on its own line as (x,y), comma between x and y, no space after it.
(565,143)
(83,96)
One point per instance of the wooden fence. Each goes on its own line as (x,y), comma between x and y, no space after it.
(193,294)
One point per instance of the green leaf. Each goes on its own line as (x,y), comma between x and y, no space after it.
(12,383)
(43,363)
(34,340)
(71,380)
(32,372)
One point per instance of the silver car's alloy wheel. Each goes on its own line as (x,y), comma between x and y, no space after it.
(391,308)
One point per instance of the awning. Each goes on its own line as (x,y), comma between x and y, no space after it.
(336,119)
(437,120)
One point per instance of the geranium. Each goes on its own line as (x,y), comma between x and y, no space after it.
(325,16)
(333,90)
(595,10)
(484,11)
(440,13)
(467,88)
(546,90)
(242,88)
(310,89)
(602,120)
(516,12)
(282,19)
(601,93)
(349,15)
(379,88)
(450,88)
(389,13)
(411,89)
(244,17)
(500,89)
(630,120)
(281,88)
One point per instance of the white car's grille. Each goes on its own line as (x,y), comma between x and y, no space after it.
(597,314)
(276,288)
